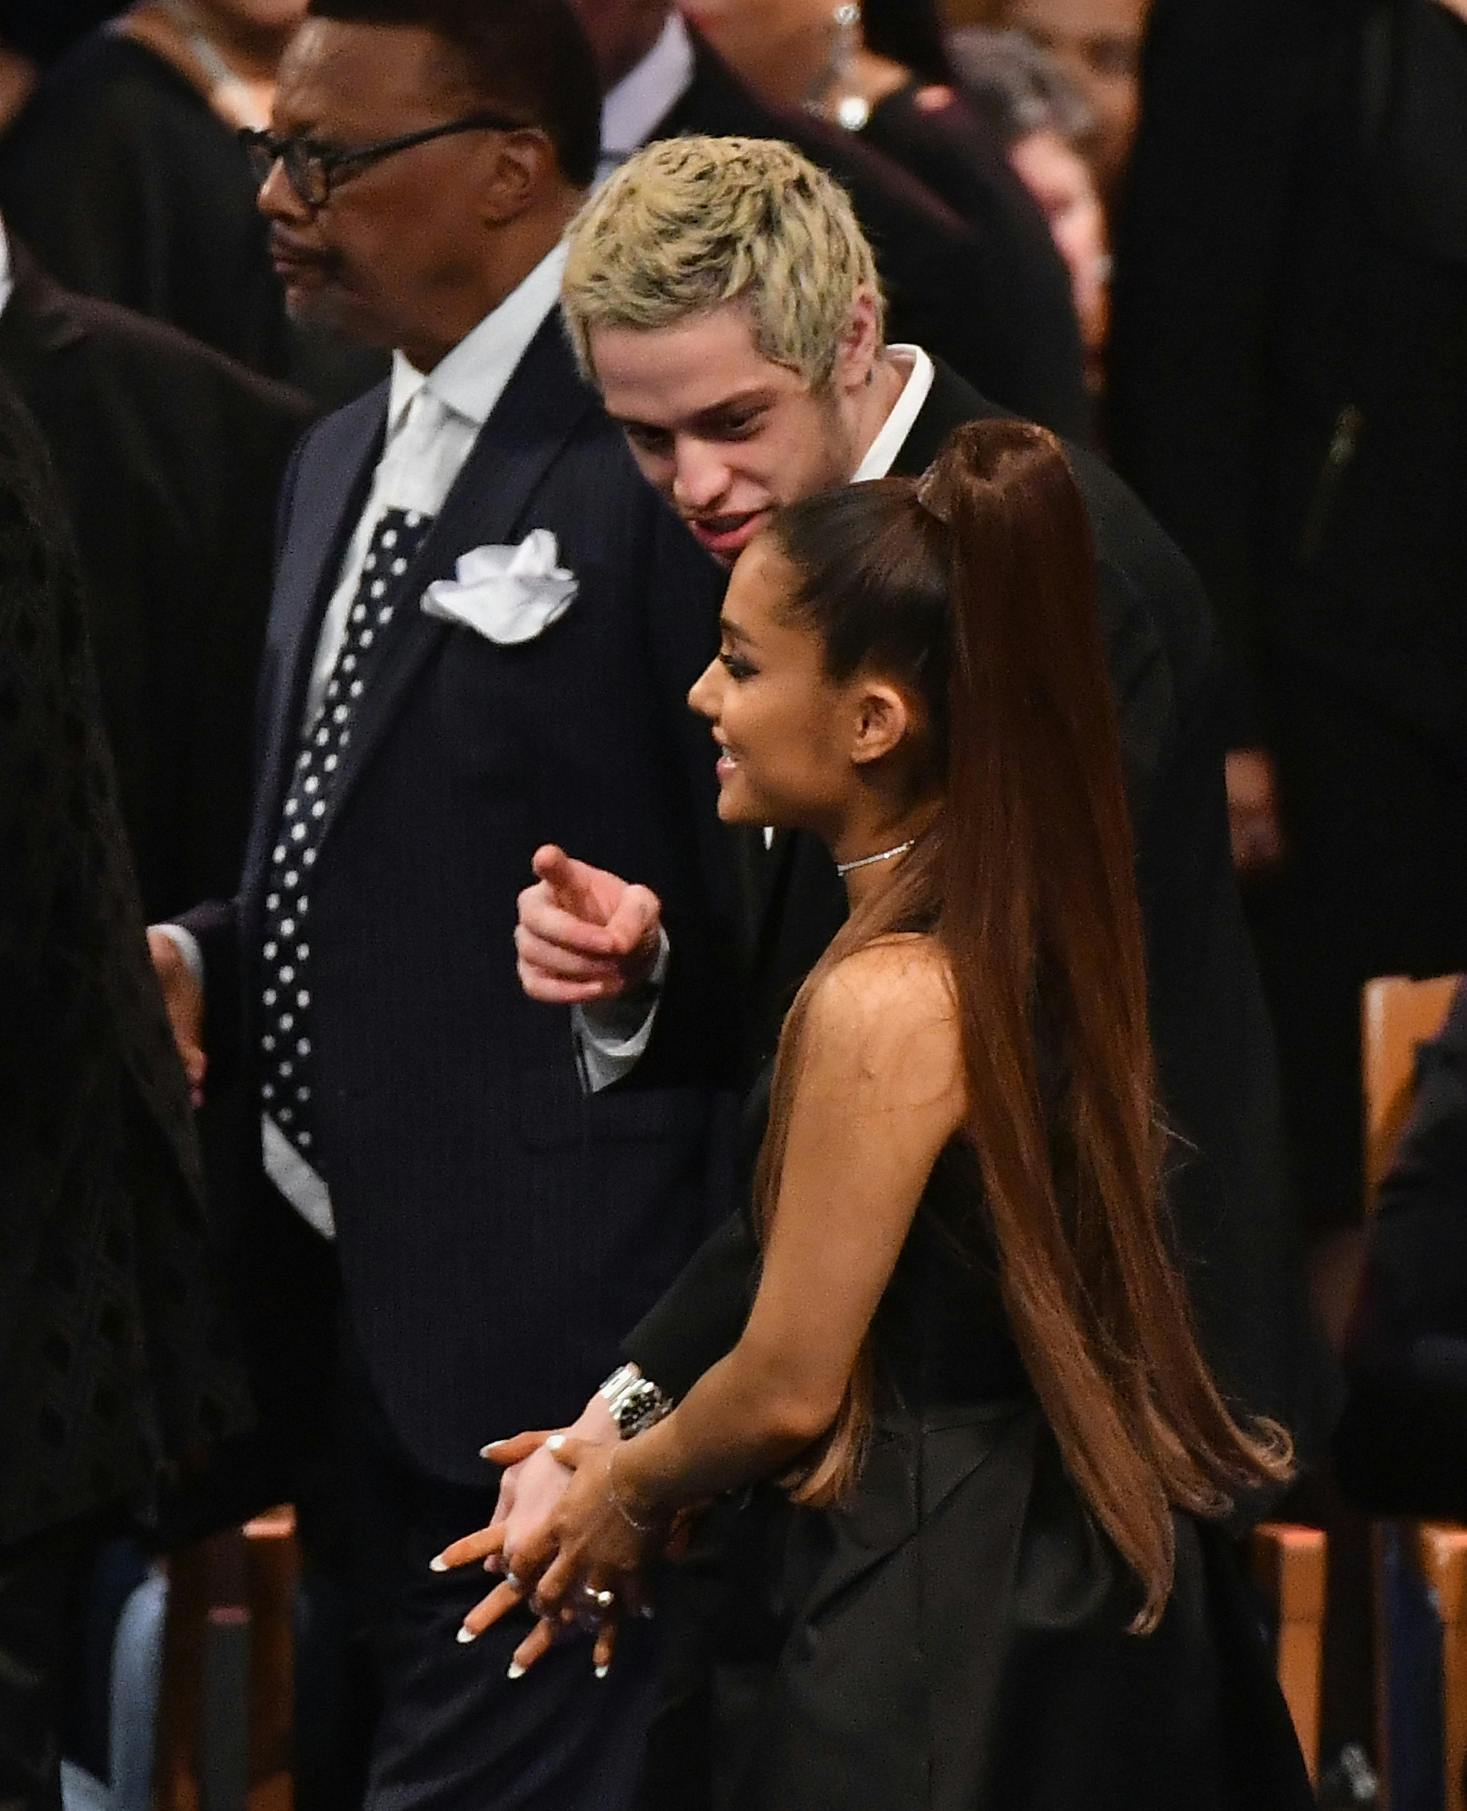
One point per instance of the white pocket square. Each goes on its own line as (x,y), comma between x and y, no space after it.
(509,594)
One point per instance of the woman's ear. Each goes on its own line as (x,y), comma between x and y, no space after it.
(884,719)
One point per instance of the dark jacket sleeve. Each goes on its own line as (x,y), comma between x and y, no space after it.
(1403,1443)
(701,1316)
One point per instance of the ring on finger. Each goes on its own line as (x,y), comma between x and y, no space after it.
(603,1600)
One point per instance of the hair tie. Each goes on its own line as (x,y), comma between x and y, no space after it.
(929,487)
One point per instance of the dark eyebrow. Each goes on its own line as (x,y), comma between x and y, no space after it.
(731,631)
(749,403)
(706,420)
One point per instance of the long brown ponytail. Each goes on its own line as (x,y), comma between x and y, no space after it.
(977,589)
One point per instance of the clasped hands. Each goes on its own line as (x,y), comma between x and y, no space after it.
(565,1540)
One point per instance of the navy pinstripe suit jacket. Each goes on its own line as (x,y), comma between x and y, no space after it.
(476,1190)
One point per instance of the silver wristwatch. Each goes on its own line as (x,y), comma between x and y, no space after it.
(636,1403)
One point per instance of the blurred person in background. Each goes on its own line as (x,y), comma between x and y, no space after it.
(42,31)
(116,1373)
(996,301)
(124,176)
(17,78)
(1048,130)
(169,458)
(1289,393)
(1097,43)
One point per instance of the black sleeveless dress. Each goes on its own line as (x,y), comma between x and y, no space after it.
(954,1636)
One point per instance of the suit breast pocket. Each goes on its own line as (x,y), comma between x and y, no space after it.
(499,706)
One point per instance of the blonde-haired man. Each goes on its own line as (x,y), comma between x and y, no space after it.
(721,296)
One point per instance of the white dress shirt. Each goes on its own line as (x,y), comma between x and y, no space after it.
(613,1038)
(645,96)
(432,424)
(885,449)
(433,421)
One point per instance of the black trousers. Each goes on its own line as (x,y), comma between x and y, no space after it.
(1375,883)
(38,1580)
(451,1731)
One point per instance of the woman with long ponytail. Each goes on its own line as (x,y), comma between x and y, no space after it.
(982,1567)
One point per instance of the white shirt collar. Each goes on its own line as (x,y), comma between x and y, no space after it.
(882,453)
(7,270)
(472,378)
(645,96)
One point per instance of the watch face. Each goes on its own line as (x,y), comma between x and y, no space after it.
(638,1408)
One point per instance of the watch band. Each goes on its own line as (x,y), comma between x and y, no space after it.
(635,1402)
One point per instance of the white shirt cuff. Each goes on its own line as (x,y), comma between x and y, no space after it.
(613,1035)
(188,947)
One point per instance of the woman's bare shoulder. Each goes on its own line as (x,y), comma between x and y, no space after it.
(886,1014)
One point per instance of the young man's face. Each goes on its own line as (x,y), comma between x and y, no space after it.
(726,436)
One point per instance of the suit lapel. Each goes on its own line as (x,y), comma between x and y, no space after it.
(329,495)
(539,410)
(949,404)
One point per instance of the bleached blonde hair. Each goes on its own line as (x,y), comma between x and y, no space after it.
(689,224)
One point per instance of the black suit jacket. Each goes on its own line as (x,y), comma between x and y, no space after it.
(1288,364)
(1232,1217)
(1402,1442)
(170,459)
(113,1360)
(471,1180)
(960,288)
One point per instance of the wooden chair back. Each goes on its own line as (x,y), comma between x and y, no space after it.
(1397,1017)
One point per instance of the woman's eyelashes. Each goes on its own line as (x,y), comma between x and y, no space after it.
(736,666)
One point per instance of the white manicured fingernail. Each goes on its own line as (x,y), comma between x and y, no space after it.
(437,1563)
(516,1671)
(602,1671)
(555,1443)
(466,1635)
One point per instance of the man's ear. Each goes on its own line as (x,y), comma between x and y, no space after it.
(884,718)
(860,345)
(521,166)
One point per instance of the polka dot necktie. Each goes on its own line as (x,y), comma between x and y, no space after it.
(287,1049)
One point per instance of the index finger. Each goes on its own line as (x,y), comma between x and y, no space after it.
(472,1547)
(561,874)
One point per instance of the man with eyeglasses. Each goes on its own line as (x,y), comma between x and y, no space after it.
(483,631)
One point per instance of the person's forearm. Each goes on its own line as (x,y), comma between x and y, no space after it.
(742,1421)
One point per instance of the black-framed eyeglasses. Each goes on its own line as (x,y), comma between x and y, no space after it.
(312,169)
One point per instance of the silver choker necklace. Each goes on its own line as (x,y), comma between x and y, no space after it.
(869,861)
